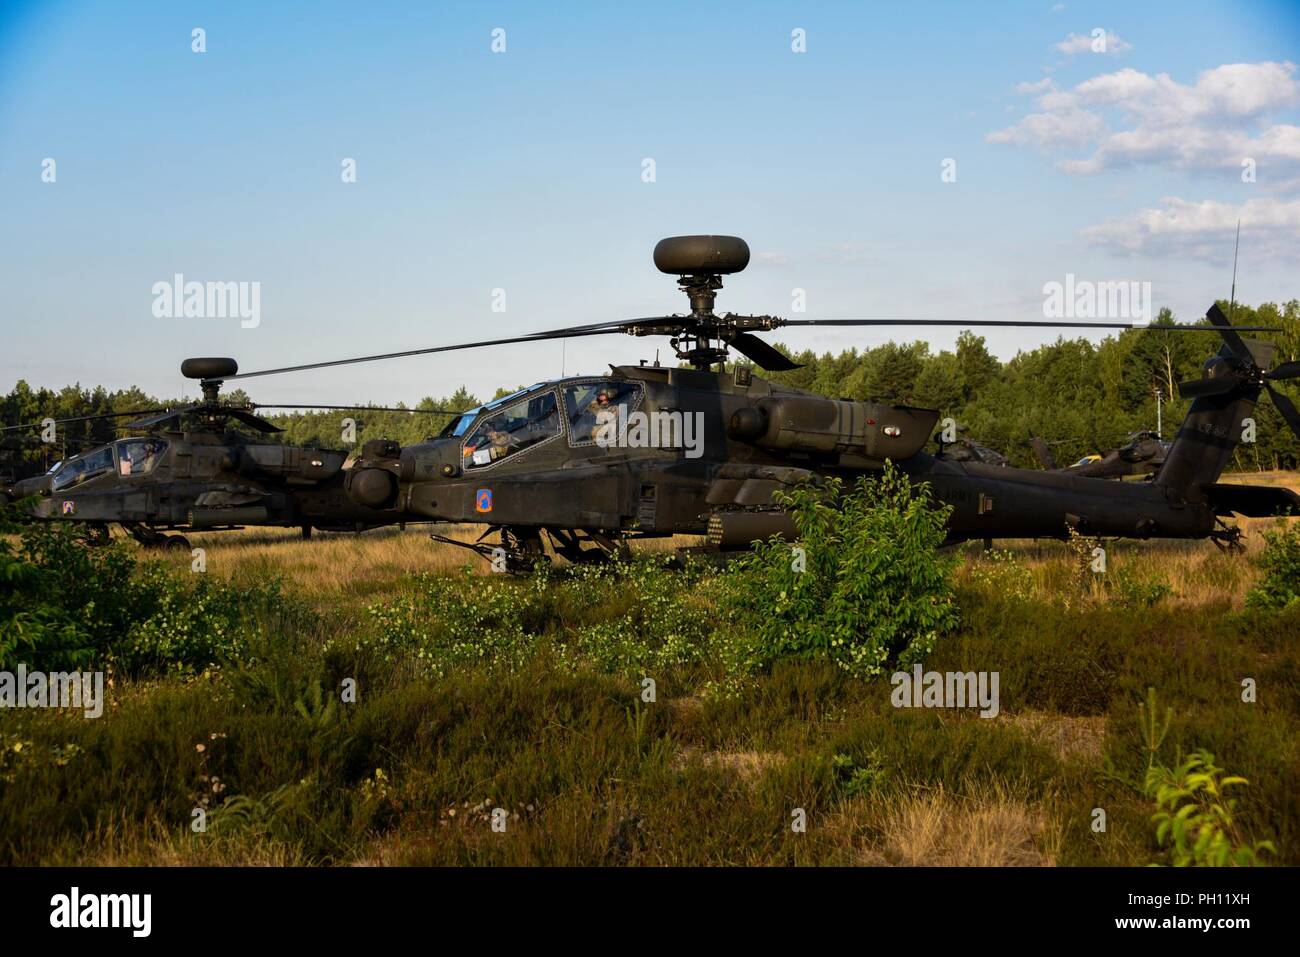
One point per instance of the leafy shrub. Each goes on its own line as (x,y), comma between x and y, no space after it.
(446,621)
(57,596)
(65,605)
(1280,586)
(864,586)
(855,780)
(1195,819)
(1130,591)
(621,617)
(189,622)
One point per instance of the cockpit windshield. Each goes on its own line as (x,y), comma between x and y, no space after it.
(459,425)
(139,456)
(512,427)
(82,467)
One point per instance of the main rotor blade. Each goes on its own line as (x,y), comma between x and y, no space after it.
(355,408)
(1286,407)
(1195,388)
(152,420)
(1019,323)
(573,333)
(625,325)
(76,418)
(764,355)
(251,420)
(1229,333)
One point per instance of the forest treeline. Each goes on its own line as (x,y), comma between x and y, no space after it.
(1079,396)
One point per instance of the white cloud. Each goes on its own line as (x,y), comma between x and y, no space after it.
(1037,86)
(1194,148)
(1230,93)
(1204,230)
(1053,129)
(1087,43)
(1132,118)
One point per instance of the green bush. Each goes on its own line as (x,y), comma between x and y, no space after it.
(622,617)
(66,605)
(864,586)
(188,622)
(57,596)
(1280,586)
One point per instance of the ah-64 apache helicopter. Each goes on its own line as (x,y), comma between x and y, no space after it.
(192,472)
(1143,454)
(644,451)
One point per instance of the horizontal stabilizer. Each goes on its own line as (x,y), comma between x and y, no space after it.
(1253,501)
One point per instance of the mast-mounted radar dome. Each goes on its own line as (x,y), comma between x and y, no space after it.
(701,255)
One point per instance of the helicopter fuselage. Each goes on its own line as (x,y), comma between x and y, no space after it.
(723,444)
(194,481)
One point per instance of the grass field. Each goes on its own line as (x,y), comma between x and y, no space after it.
(562,747)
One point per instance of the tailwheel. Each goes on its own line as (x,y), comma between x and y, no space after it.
(1228,538)
(175,545)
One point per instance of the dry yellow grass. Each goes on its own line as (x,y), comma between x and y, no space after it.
(353,563)
(933,827)
(748,765)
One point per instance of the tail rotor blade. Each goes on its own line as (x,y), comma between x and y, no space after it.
(1286,407)
(1234,341)
(1287,370)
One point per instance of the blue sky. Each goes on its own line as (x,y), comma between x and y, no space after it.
(522,171)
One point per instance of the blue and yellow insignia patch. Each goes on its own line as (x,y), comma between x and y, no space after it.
(69,507)
(483,500)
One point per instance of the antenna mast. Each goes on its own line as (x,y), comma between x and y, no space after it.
(1232,303)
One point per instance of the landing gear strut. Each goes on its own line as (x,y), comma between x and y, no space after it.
(518,552)
(520,549)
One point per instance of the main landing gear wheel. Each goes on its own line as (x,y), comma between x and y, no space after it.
(146,536)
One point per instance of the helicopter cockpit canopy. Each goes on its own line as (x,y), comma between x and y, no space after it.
(139,456)
(512,426)
(594,405)
(82,467)
(459,425)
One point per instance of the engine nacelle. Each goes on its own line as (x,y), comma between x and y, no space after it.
(807,423)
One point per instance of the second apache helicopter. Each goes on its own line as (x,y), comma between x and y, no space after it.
(1143,454)
(590,462)
(192,472)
